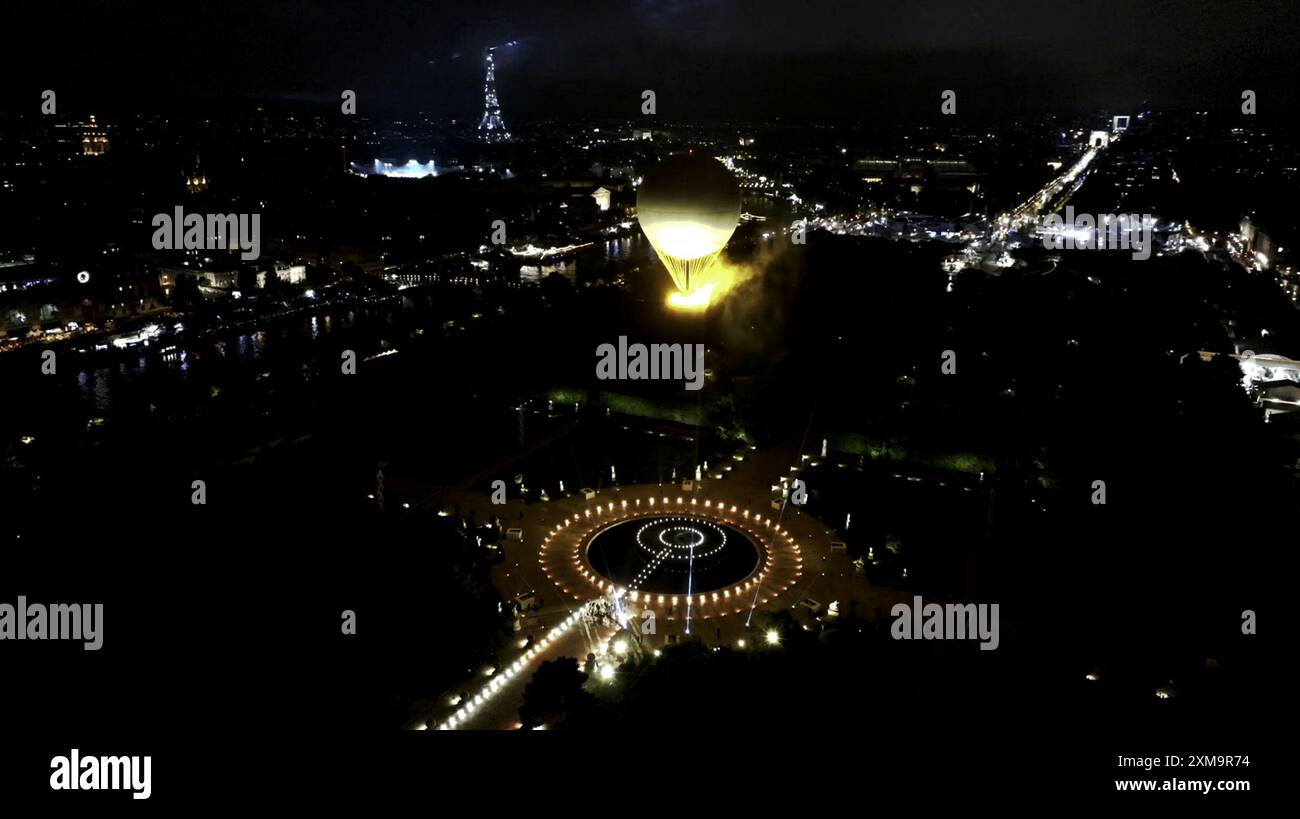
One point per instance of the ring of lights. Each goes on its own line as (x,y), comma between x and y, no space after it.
(694,531)
(563,559)
(695,536)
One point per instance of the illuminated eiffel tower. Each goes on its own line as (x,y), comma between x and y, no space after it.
(492,128)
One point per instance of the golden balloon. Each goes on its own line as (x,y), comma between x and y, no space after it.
(688,206)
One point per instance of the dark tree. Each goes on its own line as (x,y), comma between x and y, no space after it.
(246,281)
(555,693)
(186,293)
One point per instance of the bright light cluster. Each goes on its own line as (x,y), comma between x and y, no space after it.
(411,170)
(696,299)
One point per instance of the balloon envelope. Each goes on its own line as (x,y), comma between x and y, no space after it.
(688,207)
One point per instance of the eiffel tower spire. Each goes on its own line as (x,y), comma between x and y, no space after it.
(492,128)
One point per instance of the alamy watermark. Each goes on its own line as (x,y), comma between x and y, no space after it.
(953,621)
(1105,231)
(666,362)
(57,621)
(211,231)
(75,772)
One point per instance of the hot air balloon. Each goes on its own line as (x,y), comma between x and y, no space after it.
(688,207)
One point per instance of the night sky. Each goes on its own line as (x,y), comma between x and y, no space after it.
(706,59)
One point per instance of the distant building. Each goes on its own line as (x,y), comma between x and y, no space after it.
(1268,368)
(35,299)
(94,141)
(226,279)
(1279,396)
(215,279)
(1257,244)
(955,173)
(602,196)
(918,174)
(875,171)
(196,180)
(290,273)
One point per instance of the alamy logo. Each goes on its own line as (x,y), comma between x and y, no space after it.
(954,621)
(57,621)
(102,773)
(212,231)
(1106,231)
(667,362)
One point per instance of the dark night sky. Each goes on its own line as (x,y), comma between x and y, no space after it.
(864,60)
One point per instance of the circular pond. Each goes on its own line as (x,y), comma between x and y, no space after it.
(672,554)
